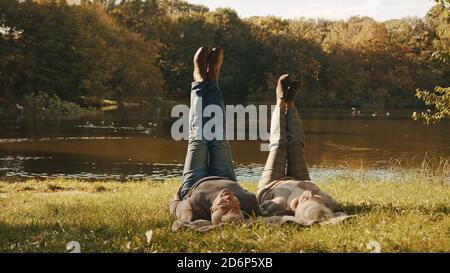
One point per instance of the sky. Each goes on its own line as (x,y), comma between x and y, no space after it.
(330,9)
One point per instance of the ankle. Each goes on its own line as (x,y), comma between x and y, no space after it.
(200,65)
(198,78)
(282,104)
(215,64)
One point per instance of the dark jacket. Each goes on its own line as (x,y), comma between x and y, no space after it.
(198,201)
(288,188)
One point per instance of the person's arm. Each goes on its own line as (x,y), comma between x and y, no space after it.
(174,204)
(275,207)
(327,199)
(180,209)
(199,225)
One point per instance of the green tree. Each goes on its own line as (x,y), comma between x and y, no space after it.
(134,49)
(439,98)
(121,63)
(12,59)
(240,74)
(70,51)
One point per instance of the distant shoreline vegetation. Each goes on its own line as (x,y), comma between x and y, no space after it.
(44,106)
(139,50)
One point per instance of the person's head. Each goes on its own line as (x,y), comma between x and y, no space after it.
(310,207)
(226,208)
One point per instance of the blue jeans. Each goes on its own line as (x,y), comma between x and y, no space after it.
(206,156)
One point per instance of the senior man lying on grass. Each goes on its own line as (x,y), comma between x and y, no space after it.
(209,194)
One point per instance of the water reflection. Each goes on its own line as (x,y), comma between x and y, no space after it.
(136,144)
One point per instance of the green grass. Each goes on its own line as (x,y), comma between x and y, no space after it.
(43,216)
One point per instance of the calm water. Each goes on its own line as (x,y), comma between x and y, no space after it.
(136,144)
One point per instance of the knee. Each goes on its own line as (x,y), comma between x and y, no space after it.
(219,144)
(195,145)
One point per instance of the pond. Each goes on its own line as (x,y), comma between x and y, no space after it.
(135,144)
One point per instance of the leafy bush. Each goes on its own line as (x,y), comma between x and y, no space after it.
(43,105)
(439,99)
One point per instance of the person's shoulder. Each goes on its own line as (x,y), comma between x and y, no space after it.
(307,185)
(203,183)
(215,182)
(214,179)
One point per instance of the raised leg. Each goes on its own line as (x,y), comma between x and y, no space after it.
(220,158)
(296,166)
(196,163)
(275,167)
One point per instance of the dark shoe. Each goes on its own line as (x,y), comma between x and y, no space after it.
(215,63)
(201,64)
(293,88)
(283,86)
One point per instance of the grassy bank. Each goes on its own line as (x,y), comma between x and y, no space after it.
(43,216)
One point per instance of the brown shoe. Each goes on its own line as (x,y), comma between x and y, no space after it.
(283,86)
(215,63)
(200,64)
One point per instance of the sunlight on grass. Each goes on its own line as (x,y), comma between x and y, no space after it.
(43,216)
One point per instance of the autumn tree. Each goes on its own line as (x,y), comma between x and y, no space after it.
(66,50)
(439,98)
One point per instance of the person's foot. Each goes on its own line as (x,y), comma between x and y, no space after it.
(282,87)
(215,63)
(201,64)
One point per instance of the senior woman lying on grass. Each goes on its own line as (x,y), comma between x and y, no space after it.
(209,193)
(285,188)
